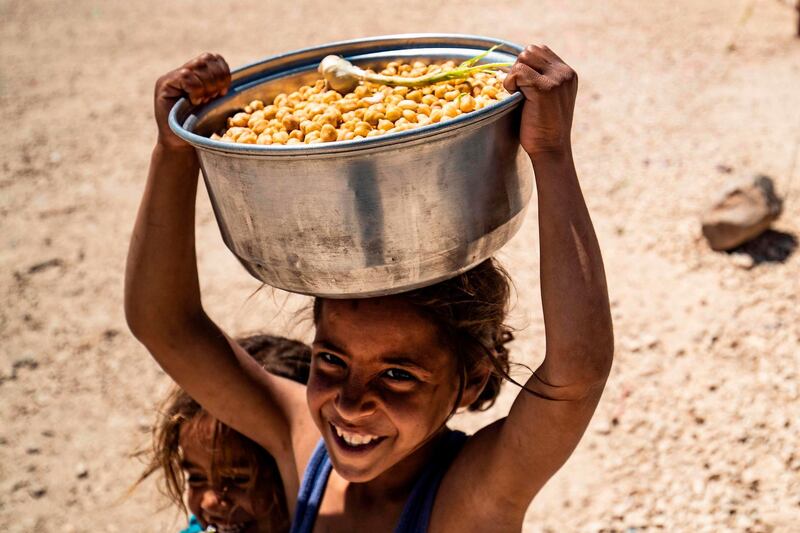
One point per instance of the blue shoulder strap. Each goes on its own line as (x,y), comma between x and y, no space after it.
(417,512)
(315,479)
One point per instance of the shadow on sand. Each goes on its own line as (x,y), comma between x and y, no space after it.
(769,247)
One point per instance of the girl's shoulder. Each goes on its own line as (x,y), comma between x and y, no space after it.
(468,497)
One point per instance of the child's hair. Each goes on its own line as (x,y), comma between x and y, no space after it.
(281,356)
(470,309)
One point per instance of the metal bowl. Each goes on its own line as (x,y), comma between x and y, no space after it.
(366,217)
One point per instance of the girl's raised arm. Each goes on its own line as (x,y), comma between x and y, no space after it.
(162,294)
(516,456)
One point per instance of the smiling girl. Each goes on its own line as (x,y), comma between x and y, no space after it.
(366,446)
(225,480)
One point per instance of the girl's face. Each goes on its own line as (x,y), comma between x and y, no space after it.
(382,383)
(225,502)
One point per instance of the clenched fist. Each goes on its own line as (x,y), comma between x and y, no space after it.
(549,86)
(201,79)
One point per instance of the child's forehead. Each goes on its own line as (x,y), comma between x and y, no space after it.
(390,317)
(379,328)
(202,443)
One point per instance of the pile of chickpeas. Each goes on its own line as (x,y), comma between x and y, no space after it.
(315,114)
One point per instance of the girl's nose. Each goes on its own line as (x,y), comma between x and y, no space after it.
(355,400)
(214,502)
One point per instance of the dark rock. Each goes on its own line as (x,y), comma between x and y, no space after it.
(742,214)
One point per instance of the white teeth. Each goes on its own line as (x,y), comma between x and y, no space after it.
(354,439)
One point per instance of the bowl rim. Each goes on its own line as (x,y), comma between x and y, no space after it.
(183,116)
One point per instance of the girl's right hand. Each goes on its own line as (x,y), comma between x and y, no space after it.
(201,80)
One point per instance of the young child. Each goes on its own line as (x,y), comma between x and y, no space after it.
(368,438)
(223,478)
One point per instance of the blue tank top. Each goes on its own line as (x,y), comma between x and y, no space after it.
(194,526)
(417,512)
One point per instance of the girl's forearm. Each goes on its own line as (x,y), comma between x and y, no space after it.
(161,283)
(577,317)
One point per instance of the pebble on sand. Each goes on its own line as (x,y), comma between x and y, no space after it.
(742,213)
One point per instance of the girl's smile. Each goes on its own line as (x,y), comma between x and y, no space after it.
(356,440)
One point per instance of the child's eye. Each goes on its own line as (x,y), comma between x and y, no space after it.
(195,479)
(397,374)
(238,481)
(331,359)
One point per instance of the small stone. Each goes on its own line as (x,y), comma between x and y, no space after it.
(602,426)
(743,261)
(743,213)
(81,471)
(45,265)
(722,168)
(27,363)
(33,450)
(644,341)
(37,491)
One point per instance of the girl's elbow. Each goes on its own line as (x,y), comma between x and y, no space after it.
(602,356)
(137,323)
(146,324)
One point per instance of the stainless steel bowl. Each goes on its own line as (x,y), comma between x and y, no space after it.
(366,217)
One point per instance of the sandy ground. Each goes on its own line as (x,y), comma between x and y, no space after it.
(699,427)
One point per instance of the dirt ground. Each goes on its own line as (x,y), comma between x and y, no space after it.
(698,429)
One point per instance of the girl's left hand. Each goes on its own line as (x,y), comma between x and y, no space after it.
(549,86)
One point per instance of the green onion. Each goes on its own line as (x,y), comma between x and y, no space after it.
(343,77)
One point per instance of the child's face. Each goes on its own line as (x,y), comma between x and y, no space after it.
(381,384)
(226,504)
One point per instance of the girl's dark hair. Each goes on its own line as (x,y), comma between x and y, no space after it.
(281,356)
(470,309)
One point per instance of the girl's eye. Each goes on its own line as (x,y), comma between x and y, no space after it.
(330,359)
(195,479)
(397,374)
(238,481)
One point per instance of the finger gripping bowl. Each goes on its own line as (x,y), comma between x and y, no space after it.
(369,217)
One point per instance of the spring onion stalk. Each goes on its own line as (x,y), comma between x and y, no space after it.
(343,77)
